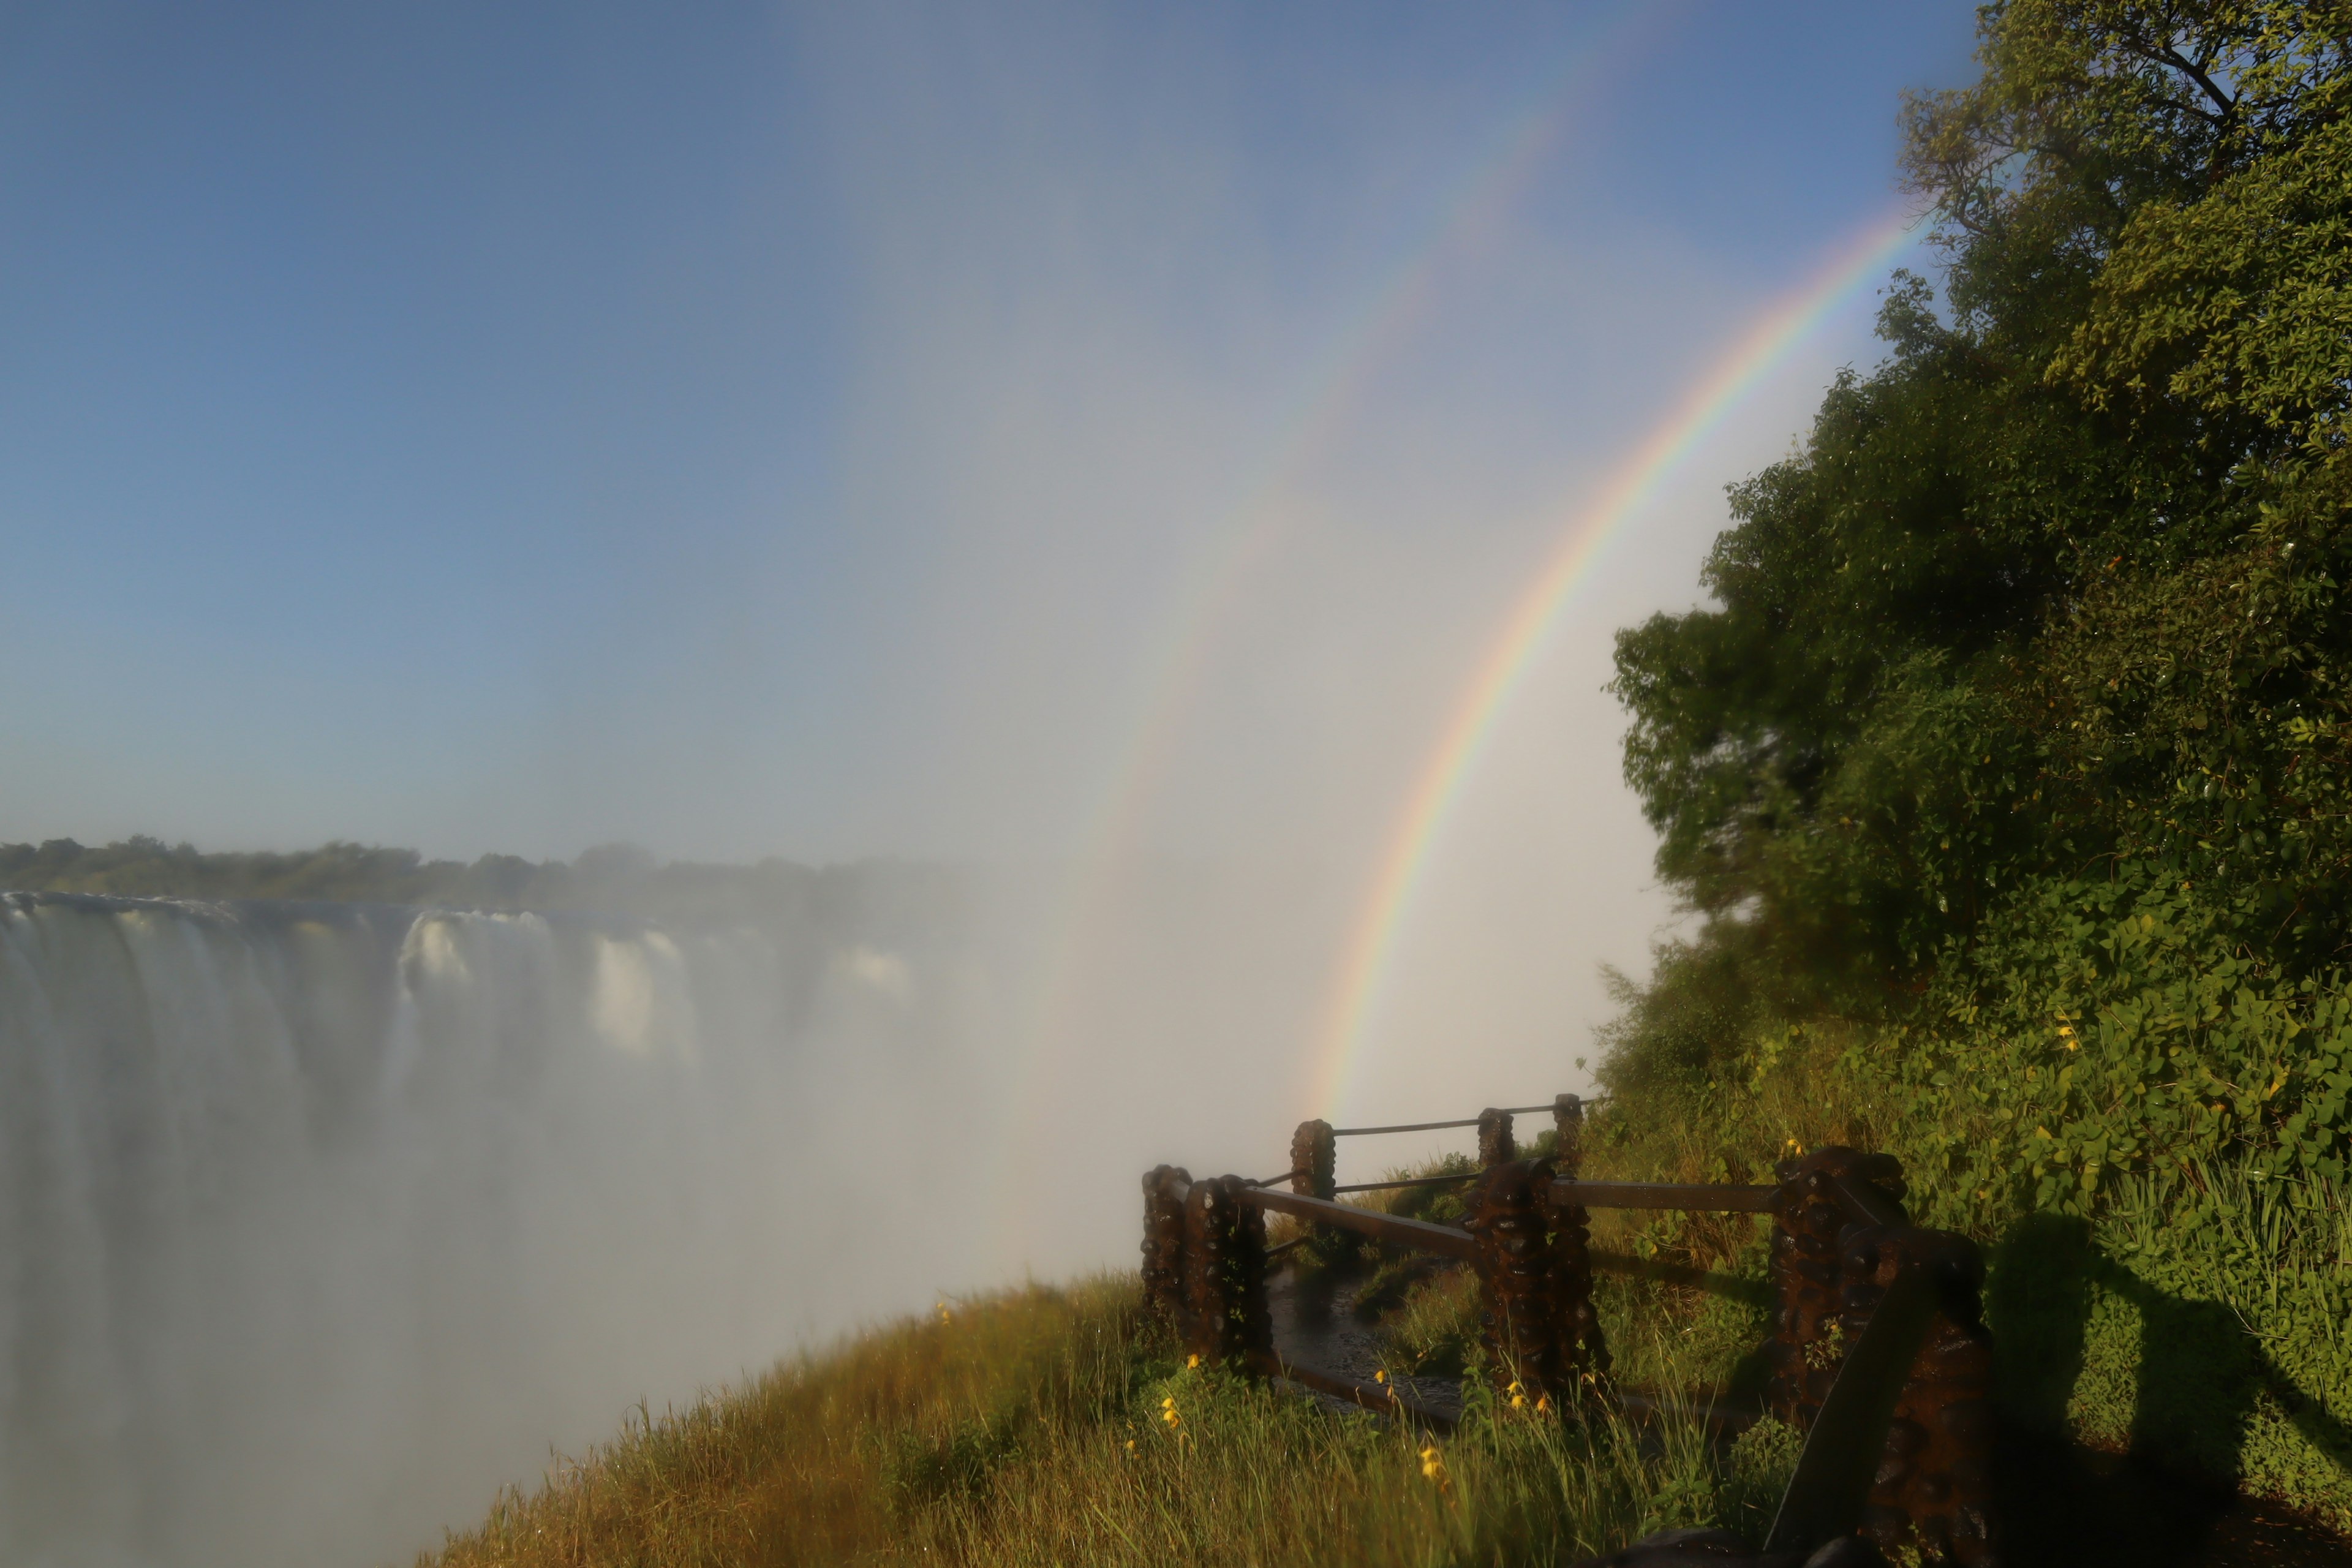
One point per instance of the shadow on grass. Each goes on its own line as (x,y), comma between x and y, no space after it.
(2199,1375)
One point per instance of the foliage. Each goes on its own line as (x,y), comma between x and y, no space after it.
(1049,1426)
(2013,751)
(1762,1460)
(615,879)
(2200,1316)
(2198,1319)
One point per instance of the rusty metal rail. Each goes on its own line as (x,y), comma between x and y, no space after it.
(1442,1239)
(1435,1126)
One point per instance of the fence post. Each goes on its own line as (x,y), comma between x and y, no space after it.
(1163,1243)
(1808,1217)
(1494,1144)
(1314,1161)
(1568,1134)
(1934,1487)
(1933,1493)
(1572,1234)
(1226,1316)
(1535,1283)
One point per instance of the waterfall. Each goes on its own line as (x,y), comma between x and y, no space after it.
(318,1223)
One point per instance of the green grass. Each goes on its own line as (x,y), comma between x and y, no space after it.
(2200,1315)
(2203,1317)
(1030,1428)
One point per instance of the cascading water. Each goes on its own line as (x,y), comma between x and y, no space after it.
(319,1222)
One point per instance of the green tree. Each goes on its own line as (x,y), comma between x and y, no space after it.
(2016,732)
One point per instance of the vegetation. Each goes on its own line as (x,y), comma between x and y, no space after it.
(1052,1427)
(613,878)
(2010,772)
(2008,777)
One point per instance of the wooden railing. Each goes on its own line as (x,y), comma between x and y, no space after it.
(1878,1352)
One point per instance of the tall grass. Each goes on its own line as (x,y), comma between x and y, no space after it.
(1036,1428)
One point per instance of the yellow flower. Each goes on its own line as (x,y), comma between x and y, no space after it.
(1192,1364)
(1543,1405)
(1432,1467)
(1518,1402)
(1131,1445)
(1172,1418)
(1381,1375)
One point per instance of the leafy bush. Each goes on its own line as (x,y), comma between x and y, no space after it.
(2010,771)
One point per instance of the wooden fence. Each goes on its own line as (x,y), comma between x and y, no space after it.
(1878,1352)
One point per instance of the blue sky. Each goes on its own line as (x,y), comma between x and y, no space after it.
(748,430)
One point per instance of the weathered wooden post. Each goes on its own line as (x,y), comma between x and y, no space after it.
(1808,1215)
(1567,1135)
(1839,1239)
(1572,1227)
(1315,1161)
(1535,1284)
(1226,1316)
(1496,1146)
(1932,1495)
(1163,1242)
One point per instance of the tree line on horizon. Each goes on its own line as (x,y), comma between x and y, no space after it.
(615,879)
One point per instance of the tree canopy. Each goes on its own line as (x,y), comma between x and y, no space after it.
(2018,723)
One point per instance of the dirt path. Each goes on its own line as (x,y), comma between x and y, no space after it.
(1315,1325)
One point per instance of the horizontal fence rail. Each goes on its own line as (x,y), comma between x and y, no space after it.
(1436,1126)
(1443,1239)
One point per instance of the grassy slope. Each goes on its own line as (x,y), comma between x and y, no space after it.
(2201,1320)
(1030,1428)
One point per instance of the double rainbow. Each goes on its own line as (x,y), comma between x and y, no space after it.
(1368,337)
(1366,960)
(1385,319)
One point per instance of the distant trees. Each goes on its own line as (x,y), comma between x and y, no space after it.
(140,865)
(2018,734)
(616,878)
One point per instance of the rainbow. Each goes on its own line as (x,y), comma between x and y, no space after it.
(1384,318)
(1364,963)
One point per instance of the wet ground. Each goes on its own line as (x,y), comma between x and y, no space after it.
(2067,1506)
(1315,1325)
